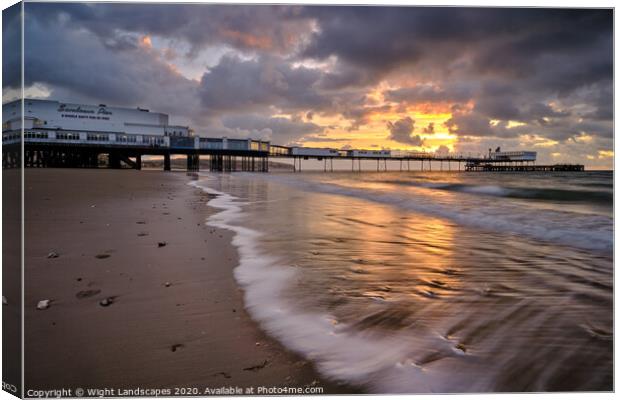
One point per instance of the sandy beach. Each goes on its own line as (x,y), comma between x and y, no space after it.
(173,314)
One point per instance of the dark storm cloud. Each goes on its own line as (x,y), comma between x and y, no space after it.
(360,115)
(402,131)
(264,28)
(429,93)
(258,84)
(66,58)
(11,46)
(470,124)
(381,38)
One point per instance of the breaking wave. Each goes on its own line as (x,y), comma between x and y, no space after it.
(517,192)
(587,231)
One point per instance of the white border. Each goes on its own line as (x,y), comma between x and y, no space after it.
(479,3)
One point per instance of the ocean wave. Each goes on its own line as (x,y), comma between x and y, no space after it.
(590,232)
(530,193)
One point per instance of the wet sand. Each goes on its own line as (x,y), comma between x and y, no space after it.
(176,317)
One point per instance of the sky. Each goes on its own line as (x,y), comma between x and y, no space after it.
(458,80)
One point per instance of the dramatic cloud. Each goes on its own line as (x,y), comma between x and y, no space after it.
(281,130)
(472,78)
(401,131)
(430,128)
(258,84)
(430,93)
(276,29)
(11,47)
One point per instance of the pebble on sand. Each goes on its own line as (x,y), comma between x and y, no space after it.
(461,347)
(102,256)
(52,254)
(167,284)
(106,302)
(161,244)
(175,347)
(43,304)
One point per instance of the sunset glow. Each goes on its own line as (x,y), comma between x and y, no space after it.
(384,79)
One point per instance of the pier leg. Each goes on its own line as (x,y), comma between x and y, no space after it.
(193,161)
(167,162)
(114,160)
(139,162)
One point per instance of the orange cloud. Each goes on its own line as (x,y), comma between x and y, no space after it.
(248,40)
(145,41)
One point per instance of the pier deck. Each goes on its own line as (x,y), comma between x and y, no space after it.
(41,151)
(526,168)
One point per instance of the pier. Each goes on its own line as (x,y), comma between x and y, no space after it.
(54,150)
(40,133)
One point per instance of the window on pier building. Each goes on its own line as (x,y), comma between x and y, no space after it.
(68,136)
(35,135)
(126,138)
(100,137)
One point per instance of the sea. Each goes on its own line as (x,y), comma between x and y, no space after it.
(429,282)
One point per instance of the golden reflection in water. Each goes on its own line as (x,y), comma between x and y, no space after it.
(477,309)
